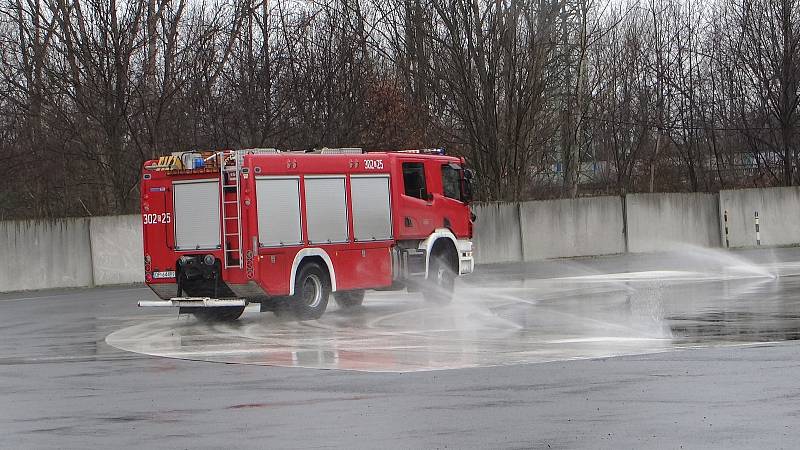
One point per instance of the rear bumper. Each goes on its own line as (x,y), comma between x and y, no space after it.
(194,302)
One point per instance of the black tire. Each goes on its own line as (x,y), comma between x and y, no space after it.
(349,299)
(312,287)
(438,287)
(214,314)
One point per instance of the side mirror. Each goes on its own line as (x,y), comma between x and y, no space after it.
(469,174)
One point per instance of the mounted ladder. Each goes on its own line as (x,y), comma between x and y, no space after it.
(229,179)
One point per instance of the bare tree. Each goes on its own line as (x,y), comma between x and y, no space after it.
(543,97)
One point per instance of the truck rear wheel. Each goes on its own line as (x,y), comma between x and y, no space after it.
(349,299)
(438,287)
(311,291)
(215,314)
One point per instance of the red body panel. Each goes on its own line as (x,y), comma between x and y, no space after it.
(357,265)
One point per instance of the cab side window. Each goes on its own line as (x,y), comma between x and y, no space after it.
(414,180)
(451,182)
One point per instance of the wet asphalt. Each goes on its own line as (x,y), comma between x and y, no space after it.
(695,349)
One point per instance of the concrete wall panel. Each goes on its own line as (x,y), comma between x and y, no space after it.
(497,233)
(575,227)
(778,210)
(44,254)
(117,249)
(665,222)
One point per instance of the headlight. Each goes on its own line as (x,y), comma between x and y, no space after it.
(209,260)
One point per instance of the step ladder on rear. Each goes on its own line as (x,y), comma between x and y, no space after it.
(229,179)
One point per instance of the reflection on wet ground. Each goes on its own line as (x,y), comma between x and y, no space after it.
(514,314)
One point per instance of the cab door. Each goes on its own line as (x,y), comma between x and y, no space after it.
(416,202)
(451,209)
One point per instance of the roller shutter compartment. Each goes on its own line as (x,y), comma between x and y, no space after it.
(278,200)
(326,209)
(197,219)
(372,212)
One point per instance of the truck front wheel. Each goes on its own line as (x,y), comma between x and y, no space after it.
(438,287)
(311,291)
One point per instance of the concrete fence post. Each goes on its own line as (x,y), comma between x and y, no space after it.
(758,231)
(91,253)
(727,240)
(623,199)
(521,232)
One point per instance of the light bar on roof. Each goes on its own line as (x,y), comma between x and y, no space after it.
(425,151)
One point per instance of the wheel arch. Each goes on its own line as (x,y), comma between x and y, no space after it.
(440,238)
(312,254)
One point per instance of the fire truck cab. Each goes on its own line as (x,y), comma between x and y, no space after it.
(286,229)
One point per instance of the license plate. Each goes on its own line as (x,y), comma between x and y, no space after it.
(164,274)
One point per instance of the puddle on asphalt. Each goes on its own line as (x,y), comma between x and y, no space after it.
(503,318)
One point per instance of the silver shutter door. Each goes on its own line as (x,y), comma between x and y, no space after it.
(278,201)
(197,224)
(326,209)
(372,214)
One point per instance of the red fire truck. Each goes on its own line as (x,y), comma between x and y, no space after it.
(286,228)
